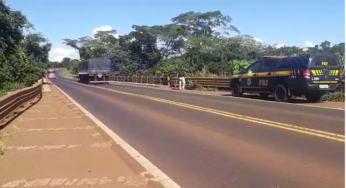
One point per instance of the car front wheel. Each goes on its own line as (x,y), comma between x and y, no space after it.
(236,90)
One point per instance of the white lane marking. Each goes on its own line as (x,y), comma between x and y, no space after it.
(40,111)
(57,182)
(216,95)
(134,180)
(51,118)
(50,105)
(53,129)
(147,165)
(57,147)
(102,145)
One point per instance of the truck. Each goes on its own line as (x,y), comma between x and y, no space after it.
(94,70)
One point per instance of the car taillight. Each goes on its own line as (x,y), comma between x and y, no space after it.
(306,74)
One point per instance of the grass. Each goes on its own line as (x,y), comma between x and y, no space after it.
(8,87)
(334,97)
(66,73)
(2,144)
(201,88)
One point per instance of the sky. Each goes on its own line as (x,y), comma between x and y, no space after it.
(286,22)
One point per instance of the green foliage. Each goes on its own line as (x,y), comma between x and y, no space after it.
(8,87)
(66,73)
(335,97)
(197,42)
(22,57)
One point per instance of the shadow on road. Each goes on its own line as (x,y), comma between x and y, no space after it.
(270,98)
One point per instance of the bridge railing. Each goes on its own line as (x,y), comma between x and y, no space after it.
(191,82)
(12,104)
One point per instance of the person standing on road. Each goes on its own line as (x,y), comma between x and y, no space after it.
(181,78)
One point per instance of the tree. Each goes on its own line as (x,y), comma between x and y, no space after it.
(198,42)
(22,57)
(205,24)
(12,24)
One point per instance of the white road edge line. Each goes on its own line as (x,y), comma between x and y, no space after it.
(151,168)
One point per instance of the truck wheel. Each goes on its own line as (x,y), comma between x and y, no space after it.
(236,91)
(281,93)
(313,97)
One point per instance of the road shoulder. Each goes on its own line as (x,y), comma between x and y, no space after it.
(55,144)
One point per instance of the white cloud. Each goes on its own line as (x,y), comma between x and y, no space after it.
(258,40)
(104,28)
(279,45)
(308,44)
(58,52)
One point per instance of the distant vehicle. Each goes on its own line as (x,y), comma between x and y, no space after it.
(51,70)
(51,76)
(311,75)
(94,70)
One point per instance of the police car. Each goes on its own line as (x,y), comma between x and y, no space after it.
(311,75)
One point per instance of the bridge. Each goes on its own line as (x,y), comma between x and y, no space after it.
(119,135)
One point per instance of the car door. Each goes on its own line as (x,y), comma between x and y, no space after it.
(266,73)
(249,80)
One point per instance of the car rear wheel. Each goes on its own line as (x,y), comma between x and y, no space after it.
(281,93)
(236,91)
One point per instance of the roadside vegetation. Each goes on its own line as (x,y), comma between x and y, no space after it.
(65,72)
(204,44)
(2,144)
(23,56)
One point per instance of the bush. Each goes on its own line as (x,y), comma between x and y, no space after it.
(335,97)
(8,87)
(66,73)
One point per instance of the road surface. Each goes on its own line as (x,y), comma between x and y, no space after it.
(199,147)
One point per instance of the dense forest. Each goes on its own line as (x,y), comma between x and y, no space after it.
(23,57)
(199,43)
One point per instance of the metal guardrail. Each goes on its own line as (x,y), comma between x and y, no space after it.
(190,81)
(140,79)
(14,103)
(205,82)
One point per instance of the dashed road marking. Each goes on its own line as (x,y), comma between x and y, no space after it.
(96,134)
(51,118)
(57,182)
(53,129)
(54,105)
(102,145)
(134,180)
(58,147)
(40,111)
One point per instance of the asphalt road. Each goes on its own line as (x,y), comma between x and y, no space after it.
(200,149)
